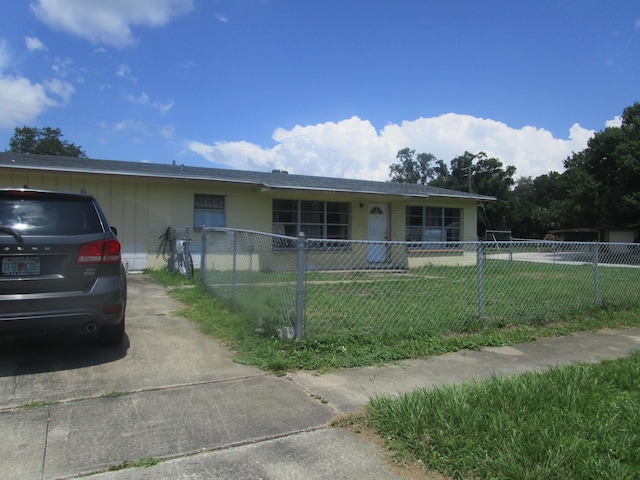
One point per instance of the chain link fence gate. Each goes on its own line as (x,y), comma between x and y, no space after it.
(295,287)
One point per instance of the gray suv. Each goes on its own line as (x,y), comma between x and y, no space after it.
(61,268)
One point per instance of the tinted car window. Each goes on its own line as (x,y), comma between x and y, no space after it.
(49,217)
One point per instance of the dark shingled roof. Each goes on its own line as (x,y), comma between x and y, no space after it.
(262,179)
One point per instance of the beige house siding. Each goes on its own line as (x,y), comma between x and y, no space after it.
(142,207)
(126,202)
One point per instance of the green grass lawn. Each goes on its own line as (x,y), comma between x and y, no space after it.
(433,300)
(580,421)
(350,339)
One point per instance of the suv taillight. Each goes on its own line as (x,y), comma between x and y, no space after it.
(101,251)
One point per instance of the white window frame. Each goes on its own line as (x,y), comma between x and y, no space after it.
(439,227)
(305,216)
(209,211)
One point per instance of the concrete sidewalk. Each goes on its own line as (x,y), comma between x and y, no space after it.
(175,395)
(348,389)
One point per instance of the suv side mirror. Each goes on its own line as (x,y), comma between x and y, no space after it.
(114,230)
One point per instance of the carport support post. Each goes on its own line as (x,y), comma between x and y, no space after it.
(300,287)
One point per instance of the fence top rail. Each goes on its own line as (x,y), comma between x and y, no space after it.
(435,244)
(251,232)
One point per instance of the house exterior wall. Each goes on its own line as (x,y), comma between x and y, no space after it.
(142,208)
(620,236)
(125,200)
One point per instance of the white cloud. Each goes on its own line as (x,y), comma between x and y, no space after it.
(614,122)
(22,100)
(34,44)
(61,66)
(163,107)
(33,100)
(123,71)
(62,89)
(134,128)
(138,131)
(240,155)
(108,22)
(222,17)
(142,99)
(130,126)
(353,148)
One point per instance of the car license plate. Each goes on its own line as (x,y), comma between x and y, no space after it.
(20,266)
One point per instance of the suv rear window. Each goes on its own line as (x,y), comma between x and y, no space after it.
(48,216)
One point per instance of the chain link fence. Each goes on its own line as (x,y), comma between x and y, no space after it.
(296,287)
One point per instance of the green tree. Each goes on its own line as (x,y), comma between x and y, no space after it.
(540,205)
(43,141)
(469,172)
(457,178)
(479,173)
(411,168)
(602,180)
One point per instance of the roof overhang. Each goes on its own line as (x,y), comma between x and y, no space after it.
(263,181)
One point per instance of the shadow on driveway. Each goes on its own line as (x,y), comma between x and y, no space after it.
(50,353)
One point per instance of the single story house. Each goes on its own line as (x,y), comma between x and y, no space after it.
(142,199)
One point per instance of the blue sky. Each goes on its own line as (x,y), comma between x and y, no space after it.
(331,87)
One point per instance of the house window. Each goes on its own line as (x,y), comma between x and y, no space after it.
(433,224)
(317,219)
(208,211)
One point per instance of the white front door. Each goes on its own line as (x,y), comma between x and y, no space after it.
(378,231)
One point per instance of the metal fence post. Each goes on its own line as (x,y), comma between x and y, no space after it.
(480,265)
(186,254)
(233,270)
(300,287)
(596,274)
(203,254)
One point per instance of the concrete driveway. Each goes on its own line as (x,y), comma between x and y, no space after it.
(70,407)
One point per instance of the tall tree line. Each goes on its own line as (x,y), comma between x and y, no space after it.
(600,186)
(43,141)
